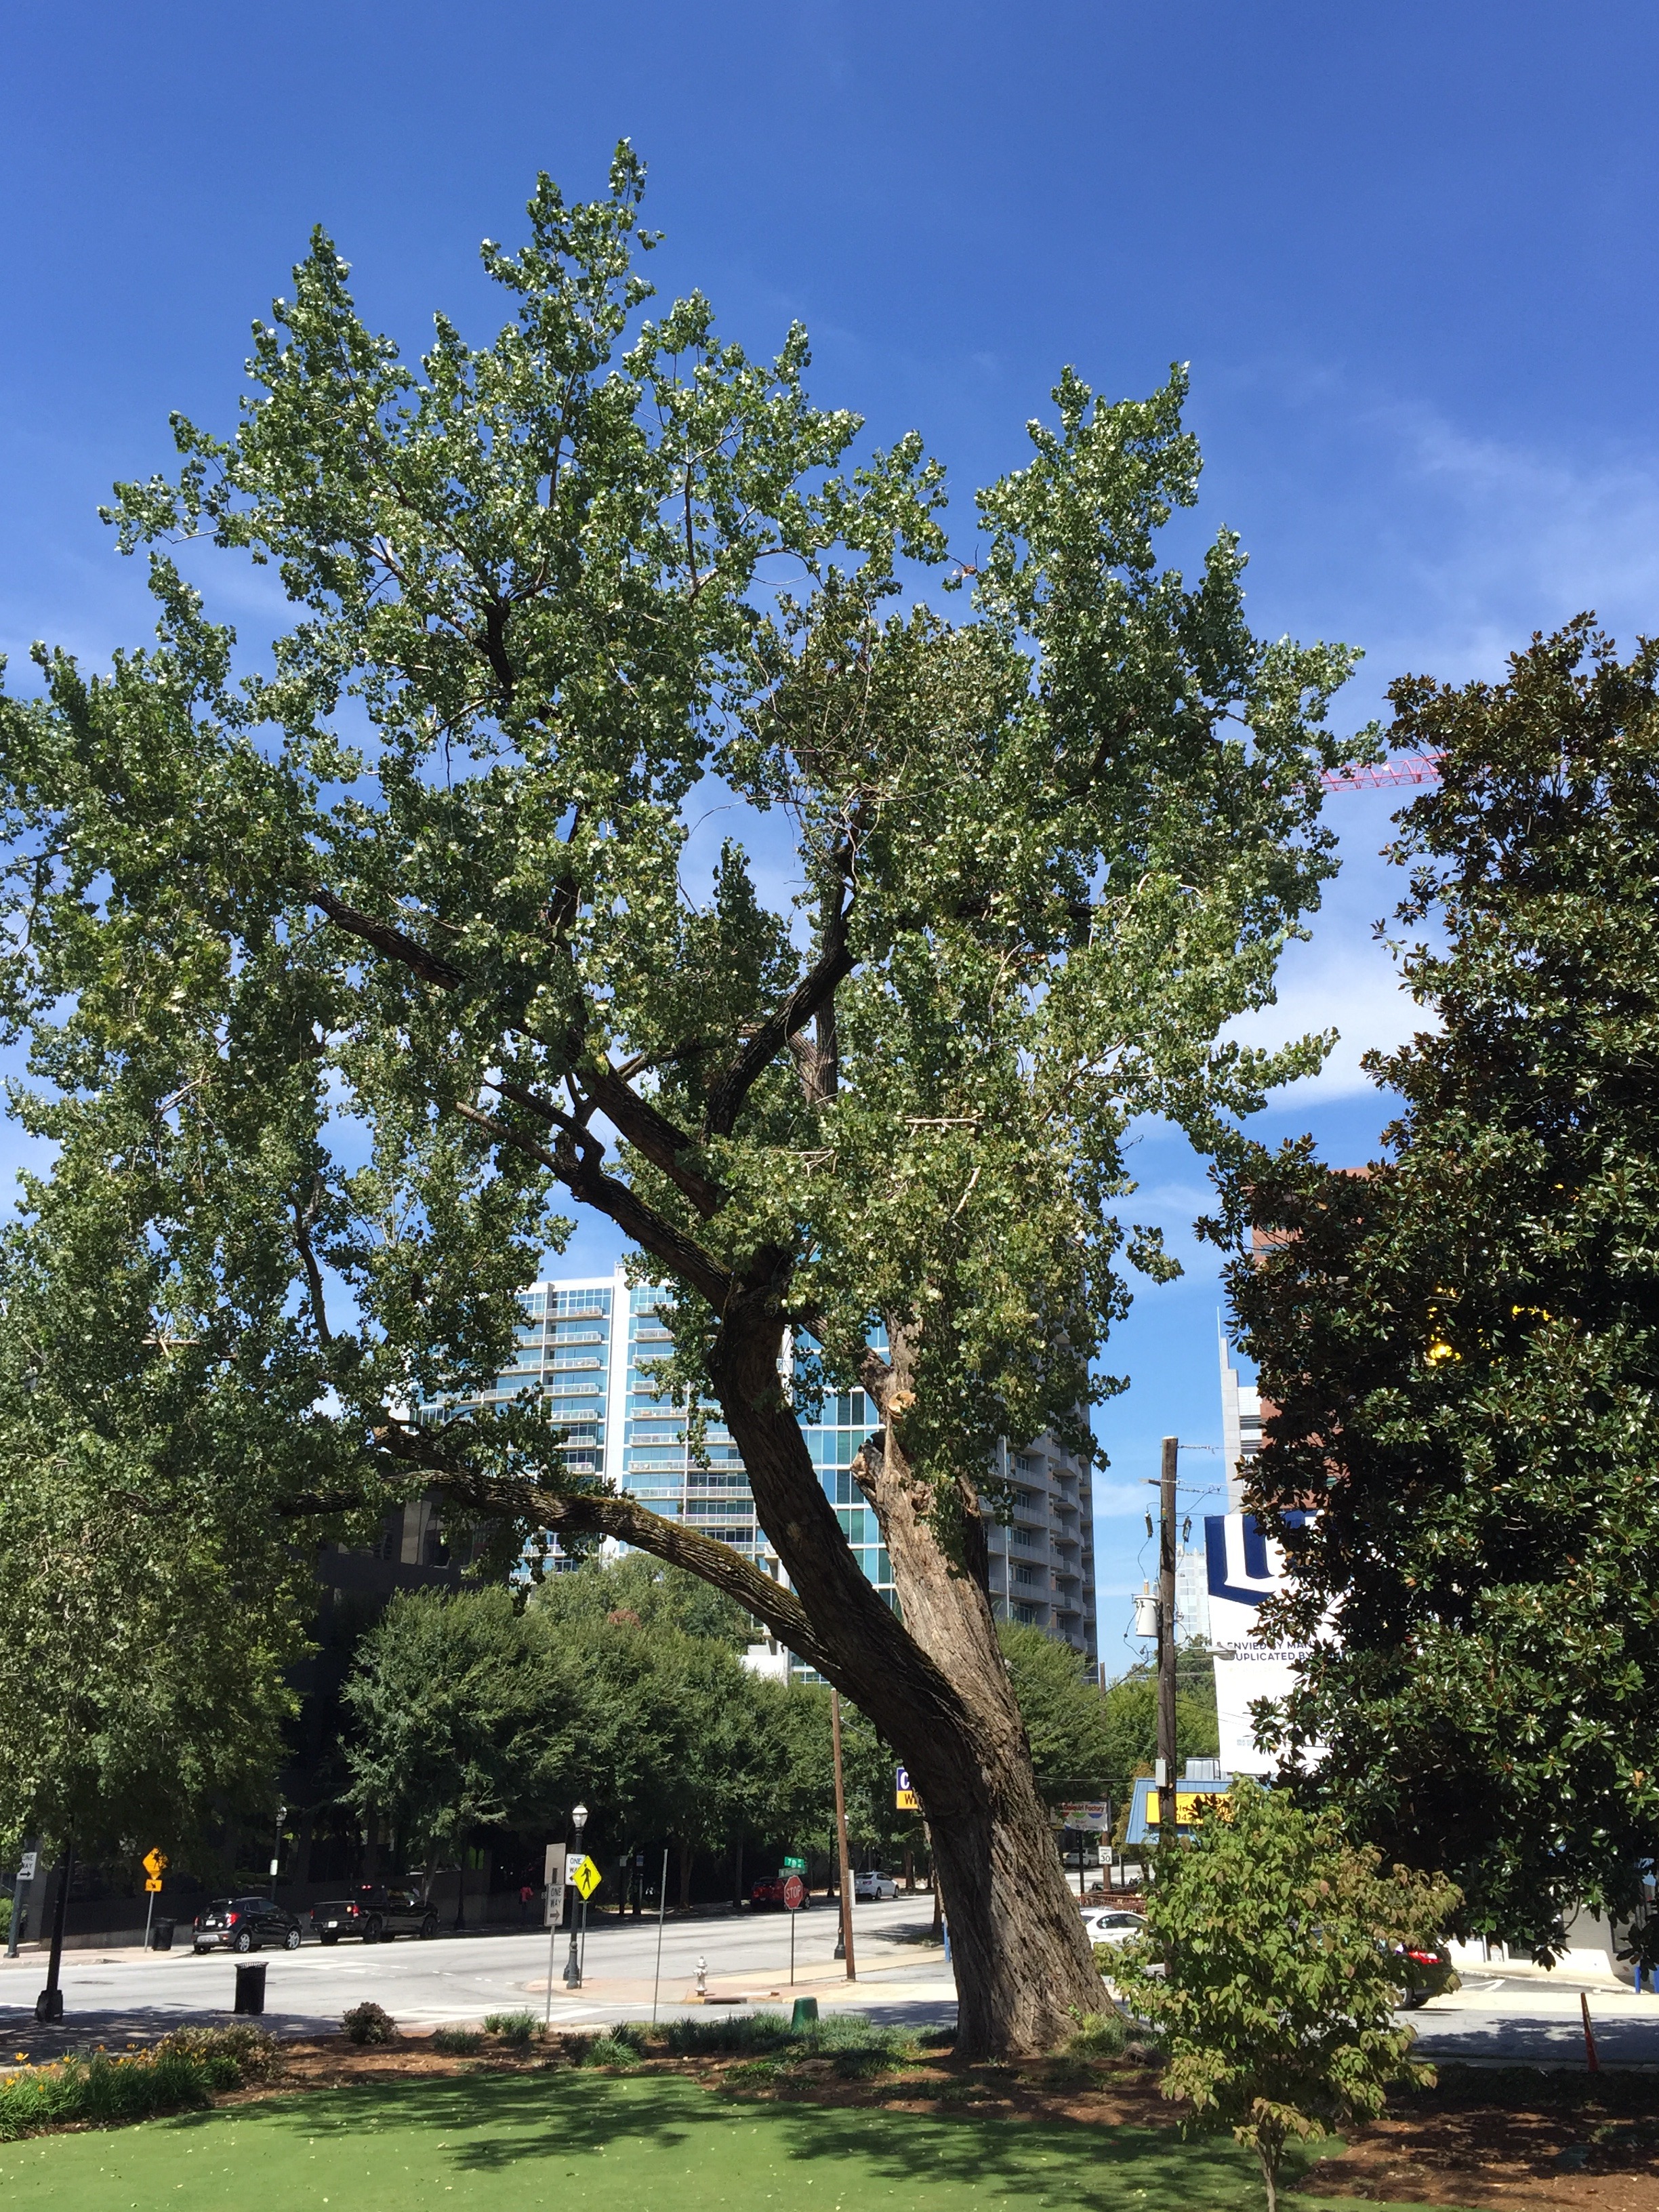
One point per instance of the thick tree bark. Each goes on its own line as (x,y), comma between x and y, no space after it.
(937,1689)
(935,1686)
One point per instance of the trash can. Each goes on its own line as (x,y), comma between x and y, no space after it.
(160,1935)
(804,2013)
(251,1988)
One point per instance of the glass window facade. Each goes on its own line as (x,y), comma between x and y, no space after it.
(590,1351)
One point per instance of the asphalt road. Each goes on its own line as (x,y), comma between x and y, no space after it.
(117,1997)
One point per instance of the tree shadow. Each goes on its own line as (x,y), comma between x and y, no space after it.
(565,2116)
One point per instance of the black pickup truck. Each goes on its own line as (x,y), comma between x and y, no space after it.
(374,1915)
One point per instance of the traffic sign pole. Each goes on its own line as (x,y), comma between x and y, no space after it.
(794,1896)
(662,1908)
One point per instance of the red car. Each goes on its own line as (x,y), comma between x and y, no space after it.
(769,1890)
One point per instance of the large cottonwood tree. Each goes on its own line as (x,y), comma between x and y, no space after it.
(387,944)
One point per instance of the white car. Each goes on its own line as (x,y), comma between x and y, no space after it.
(873,1888)
(1109,1923)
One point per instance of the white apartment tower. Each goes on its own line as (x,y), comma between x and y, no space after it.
(586,1346)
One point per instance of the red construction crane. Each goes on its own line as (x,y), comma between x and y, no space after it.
(1405,768)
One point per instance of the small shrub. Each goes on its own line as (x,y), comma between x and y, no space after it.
(369,2023)
(609,2050)
(1097,2035)
(231,2055)
(736,2033)
(518,2029)
(857,2047)
(457,2042)
(179,2073)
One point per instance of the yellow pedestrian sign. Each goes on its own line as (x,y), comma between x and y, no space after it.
(585,1876)
(155,1865)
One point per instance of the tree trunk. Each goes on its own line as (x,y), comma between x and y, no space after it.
(1269,2158)
(909,1871)
(936,1687)
(685,1877)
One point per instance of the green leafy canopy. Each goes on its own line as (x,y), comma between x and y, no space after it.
(339,966)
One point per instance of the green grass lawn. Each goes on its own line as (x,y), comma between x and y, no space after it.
(591,2143)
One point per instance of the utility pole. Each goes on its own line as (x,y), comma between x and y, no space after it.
(841,1839)
(1166,1642)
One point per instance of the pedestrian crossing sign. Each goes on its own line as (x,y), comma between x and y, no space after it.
(585,1876)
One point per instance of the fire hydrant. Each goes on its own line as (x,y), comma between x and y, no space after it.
(703,1980)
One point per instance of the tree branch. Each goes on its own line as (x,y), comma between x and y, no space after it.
(578,1170)
(614,1513)
(814,991)
(651,1134)
(302,1221)
(428,966)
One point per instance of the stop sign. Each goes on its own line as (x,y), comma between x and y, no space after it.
(794,1893)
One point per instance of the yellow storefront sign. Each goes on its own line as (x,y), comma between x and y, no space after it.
(1189,1804)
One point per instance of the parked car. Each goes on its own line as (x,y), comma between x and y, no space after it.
(1110,1924)
(769,1890)
(373,1914)
(873,1888)
(1422,1975)
(243,1923)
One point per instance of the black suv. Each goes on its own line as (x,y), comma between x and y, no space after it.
(243,1923)
(374,1914)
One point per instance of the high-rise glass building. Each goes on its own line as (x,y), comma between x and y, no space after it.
(588,1347)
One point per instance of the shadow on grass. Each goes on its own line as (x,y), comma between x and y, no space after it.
(487,2125)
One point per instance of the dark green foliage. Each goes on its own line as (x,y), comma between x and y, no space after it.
(468,1711)
(1462,1347)
(368,2023)
(1063,1711)
(518,2029)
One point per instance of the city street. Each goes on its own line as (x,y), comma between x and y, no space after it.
(117,1996)
(114,1996)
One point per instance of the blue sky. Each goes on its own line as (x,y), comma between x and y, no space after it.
(1408,252)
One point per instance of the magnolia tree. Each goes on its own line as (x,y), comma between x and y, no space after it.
(1460,1345)
(360,960)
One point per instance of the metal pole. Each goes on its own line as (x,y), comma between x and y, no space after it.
(841,1838)
(49,2005)
(662,1908)
(573,1965)
(1166,1643)
(552,1942)
(149,1915)
(793,1918)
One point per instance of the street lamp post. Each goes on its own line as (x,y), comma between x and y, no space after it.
(573,1965)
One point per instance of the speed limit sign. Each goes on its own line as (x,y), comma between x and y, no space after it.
(794,1893)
